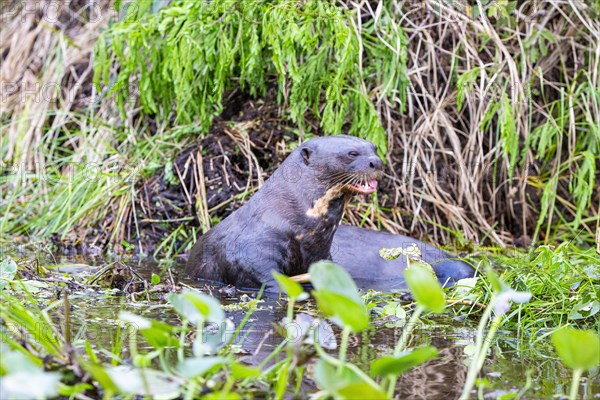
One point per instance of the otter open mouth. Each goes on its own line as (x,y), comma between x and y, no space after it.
(364,187)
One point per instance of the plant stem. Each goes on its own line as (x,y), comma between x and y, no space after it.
(407,332)
(343,347)
(575,383)
(472,373)
(401,345)
(290,310)
(334,361)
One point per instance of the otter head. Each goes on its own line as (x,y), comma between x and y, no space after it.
(345,163)
(340,165)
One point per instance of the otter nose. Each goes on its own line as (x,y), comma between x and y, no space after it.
(375,163)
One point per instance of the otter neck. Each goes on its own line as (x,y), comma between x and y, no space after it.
(317,203)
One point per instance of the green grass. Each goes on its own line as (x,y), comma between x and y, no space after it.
(189,54)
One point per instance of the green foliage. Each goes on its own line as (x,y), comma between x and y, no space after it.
(345,383)
(397,365)
(8,270)
(424,286)
(16,369)
(564,282)
(186,57)
(337,295)
(508,132)
(292,288)
(578,349)
(464,84)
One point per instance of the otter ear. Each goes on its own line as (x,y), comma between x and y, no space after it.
(306,154)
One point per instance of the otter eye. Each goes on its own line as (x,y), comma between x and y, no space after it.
(353,154)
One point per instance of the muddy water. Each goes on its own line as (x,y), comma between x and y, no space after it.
(511,361)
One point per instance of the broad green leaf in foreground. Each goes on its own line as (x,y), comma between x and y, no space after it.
(346,311)
(19,372)
(330,276)
(391,365)
(425,287)
(292,288)
(197,307)
(337,295)
(158,334)
(144,382)
(361,391)
(193,367)
(344,383)
(578,349)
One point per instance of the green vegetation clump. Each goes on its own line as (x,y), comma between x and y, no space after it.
(188,55)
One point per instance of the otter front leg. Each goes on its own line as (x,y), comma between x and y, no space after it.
(253,263)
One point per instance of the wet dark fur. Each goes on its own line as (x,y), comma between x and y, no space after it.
(274,231)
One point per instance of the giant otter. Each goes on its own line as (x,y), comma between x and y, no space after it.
(291,222)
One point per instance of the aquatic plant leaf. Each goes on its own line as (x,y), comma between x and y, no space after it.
(19,370)
(14,361)
(29,385)
(158,334)
(292,288)
(197,307)
(391,365)
(212,336)
(73,390)
(193,367)
(240,371)
(144,382)
(578,349)
(464,289)
(497,284)
(425,287)
(100,374)
(361,391)
(331,379)
(332,277)
(221,396)
(346,311)
(394,309)
(136,321)
(8,270)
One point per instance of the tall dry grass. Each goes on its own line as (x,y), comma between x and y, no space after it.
(499,142)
